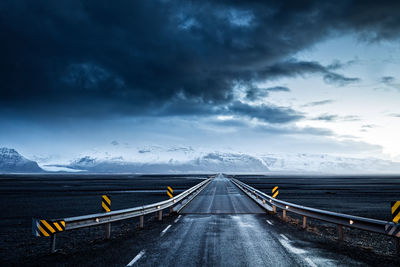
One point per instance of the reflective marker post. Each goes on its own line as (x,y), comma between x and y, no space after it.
(53,243)
(48,228)
(170,193)
(106,207)
(395,207)
(275,192)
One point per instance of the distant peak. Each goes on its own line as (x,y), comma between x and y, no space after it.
(6,150)
(12,161)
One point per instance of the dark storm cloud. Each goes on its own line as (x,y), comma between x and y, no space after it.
(272,129)
(318,103)
(293,68)
(114,143)
(294,130)
(340,65)
(390,81)
(368,126)
(278,89)
(387,80)
(265,113)
(338,79)
(255,93)
(97,59)
(237,123)
(332,117)
(326,117)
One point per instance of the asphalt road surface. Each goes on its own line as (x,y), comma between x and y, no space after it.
(221,196)
(223,227)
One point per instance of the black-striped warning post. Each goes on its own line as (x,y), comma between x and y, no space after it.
(275,192)
(392,229)
(395,211)
(47,227)
(105,203)
(170,192)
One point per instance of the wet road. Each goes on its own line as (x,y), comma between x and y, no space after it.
(222,197)
(226,240)
(223,227)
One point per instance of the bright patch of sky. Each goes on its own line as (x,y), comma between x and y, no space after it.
(362,111)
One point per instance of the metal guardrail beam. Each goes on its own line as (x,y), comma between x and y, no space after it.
(72,223)
(372,225)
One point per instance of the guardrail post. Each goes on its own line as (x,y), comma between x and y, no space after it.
(273,209)
(53,243)
(141,222)
(171,210)
(340,232)
(108,230)
(160,215)
(284,215)
(304,222)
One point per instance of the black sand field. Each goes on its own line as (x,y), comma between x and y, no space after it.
(24,197)
(366,196)
(57,196)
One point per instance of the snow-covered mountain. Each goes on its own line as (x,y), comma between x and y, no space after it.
(178,159)
(12,161)
(208,163)
(323,163)
(181,160)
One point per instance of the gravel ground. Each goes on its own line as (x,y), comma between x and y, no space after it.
(24,197)
(367,248)
(367,196)
(55,196)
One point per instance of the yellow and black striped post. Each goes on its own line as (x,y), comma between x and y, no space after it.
(106,207)
(48,228)
(170,192)
(395,211)
(275,192)
(105,203)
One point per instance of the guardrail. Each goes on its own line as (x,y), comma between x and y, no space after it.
(72,223)
(367,224)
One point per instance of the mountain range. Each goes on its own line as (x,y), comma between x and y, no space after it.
(12,162)
(187,160)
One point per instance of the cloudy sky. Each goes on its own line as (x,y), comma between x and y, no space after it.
(250,76)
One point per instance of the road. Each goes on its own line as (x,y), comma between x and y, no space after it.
(223,227)
(222,197)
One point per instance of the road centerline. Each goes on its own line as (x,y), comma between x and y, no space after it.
(136,258)
(177,219)
(284,237)
(165,230)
